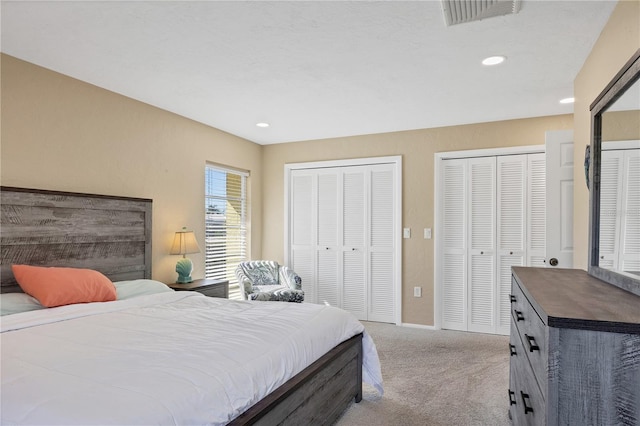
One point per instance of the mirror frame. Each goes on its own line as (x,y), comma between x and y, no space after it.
(625,78)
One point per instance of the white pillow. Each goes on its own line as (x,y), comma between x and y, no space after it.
(14,303)
(134,288)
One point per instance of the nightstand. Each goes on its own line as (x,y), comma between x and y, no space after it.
(207,286)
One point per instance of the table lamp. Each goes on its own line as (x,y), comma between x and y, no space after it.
(184,243)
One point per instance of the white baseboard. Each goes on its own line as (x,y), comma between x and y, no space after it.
(424,327)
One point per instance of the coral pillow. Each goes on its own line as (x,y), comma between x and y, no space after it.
(64,286)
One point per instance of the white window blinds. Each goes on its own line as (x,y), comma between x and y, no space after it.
(225,222)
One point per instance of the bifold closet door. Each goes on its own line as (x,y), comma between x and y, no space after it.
(302,236)
(355,197)
(493,218)
(454,244)
(381,239)
(482,250)
(328,236)
(521,229)
(342,238)
(469,243)
(630,229)
(512,217)
(619,200)
(536,207)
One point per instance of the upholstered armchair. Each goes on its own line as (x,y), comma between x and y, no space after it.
(267,280)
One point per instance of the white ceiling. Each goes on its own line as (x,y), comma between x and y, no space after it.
(313,69)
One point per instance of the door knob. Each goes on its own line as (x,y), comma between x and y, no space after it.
(553,261)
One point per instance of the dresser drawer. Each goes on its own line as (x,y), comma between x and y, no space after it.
(532,332)
(527,406)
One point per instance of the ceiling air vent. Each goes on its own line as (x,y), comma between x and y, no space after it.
(461,11)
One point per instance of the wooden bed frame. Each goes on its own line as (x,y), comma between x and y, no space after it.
(113,235)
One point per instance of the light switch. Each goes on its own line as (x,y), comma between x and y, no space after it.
(406,233)
(427,233)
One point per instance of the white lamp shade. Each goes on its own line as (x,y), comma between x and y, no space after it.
(184,242)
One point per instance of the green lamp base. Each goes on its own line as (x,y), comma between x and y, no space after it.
(184,267)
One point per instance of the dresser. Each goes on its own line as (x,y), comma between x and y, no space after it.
(575,350)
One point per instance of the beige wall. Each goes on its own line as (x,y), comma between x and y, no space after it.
(417,149)
(62,134)
(618,41)
(59,133)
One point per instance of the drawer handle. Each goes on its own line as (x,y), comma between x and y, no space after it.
(531,341)
(525,398)
(513,298)
(512,397)
(519,316)
(512,350)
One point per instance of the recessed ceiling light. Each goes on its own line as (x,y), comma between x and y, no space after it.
(262,124)
(567,100)
(493,60)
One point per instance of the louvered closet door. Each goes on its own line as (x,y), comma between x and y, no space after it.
(493,211)
(454,244)
(354,248)
(302,236)
(521,229)
(537,210)
(611,168)
(482,235)
(630,227)
(381,243)
(343,237)
(511,217)
(327,231)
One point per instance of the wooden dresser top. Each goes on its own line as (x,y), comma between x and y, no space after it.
(571,298)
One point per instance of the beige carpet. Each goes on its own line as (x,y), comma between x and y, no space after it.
(435,378)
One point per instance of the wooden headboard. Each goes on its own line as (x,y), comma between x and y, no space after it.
(52,228)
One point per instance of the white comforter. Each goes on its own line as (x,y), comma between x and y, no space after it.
(169,358)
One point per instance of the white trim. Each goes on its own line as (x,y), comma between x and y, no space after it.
(420,326)
(397,162)
(227,169)
(344,163)
(614,145)
(437,199)
(490,152)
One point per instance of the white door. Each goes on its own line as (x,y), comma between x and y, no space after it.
(482,235)
(537,210)
(342,237)
(619,202)
(630,229)
(493,218)
(511,232)
(328,237)
(302,238)
(454,244)
(353,248)
(381,244)
(611,173)
(559,196)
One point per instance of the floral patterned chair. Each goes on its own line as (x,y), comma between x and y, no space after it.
(267,280)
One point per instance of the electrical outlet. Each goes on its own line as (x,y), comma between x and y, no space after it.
(427,233)
(406,233)
(417,292)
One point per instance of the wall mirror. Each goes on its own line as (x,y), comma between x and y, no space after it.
(614,196)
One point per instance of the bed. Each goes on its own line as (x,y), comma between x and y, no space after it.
(155,356)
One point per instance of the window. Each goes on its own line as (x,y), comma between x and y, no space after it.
(225,224)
